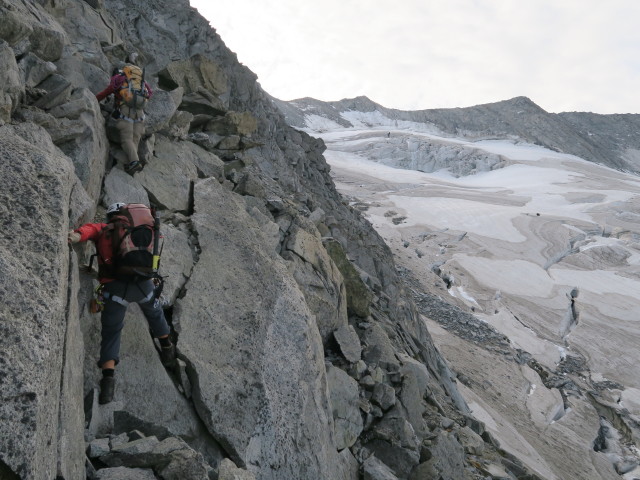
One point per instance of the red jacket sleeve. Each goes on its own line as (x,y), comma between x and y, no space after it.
(114,86)
(90,231)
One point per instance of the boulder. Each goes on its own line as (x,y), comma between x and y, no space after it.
(358,295)
(34,70)
(228,470)
(14,28)
(472,442)
(98,448)
(318,277)
(93,35)
(207,163)
(47,41)
(250,184)
(58,91)
(379,349)
(233,123)
(207,140)
(137,453)
(124,473)
(122,187)
(185,464)
(348,342)
(384,396)
(161,108)
(261,389)
(231,142)
(345,395)
(270,229)
(11,87)
(178,126)
(374,469)
(447,459)
(415,381)
(193,74)
(395,443)
(169,175)
(202,102)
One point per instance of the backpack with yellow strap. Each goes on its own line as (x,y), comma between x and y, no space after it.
(133,92)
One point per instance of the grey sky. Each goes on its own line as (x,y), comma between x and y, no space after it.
(566,55)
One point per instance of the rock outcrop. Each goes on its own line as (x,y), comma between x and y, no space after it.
(300,354)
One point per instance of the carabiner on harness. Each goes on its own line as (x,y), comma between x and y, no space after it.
(97,302)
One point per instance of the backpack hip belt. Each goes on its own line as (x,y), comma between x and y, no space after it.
(124,117)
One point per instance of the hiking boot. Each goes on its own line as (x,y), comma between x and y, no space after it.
(107,387)
(133,167)
(168,355)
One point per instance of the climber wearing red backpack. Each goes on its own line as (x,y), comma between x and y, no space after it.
(127,250)
(131,93)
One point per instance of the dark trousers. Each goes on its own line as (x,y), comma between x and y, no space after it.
(118,295)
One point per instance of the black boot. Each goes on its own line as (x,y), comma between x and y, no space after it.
(167,353)
(107,387)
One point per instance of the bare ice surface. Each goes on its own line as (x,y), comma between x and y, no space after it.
(544,248)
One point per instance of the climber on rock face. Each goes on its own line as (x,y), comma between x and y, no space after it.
(131,93)
(117,290)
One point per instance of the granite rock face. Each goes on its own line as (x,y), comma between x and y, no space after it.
(257,323)
(41,399)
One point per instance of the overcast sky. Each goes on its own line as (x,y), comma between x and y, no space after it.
(566,55)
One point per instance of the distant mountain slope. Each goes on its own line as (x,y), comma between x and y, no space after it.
(610,140)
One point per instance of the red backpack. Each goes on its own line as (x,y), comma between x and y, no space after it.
(133,233)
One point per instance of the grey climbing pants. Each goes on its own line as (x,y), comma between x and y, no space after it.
(118,295)
(130,134)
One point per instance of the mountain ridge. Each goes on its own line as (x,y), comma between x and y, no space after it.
(593,137)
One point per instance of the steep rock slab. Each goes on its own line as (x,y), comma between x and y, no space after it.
(169,175)
(255,355)
(176,262)
(35,188)
(71,457)
(143,387)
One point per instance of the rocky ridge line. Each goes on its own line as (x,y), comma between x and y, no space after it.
(605,139)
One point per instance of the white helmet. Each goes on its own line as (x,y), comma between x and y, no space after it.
(114,208)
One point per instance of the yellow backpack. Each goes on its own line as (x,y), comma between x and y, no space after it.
(133,92)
